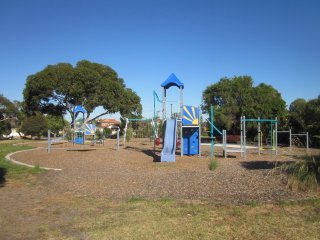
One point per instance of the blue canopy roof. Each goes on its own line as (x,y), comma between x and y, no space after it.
(79,108)
(172,80)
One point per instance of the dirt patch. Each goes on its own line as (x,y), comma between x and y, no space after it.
(104,172)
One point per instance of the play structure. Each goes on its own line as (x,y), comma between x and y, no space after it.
(185,128)
(143,128)
(83,130)
(292,137)
(189,124)
(271,144)
(79,125)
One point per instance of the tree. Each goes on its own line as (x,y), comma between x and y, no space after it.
(313,116)
(35,125)
(237,96)
(58,89)
(304,116)
(297,117)
(8,111)
(55,124)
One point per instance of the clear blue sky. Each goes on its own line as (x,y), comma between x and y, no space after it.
(276,42)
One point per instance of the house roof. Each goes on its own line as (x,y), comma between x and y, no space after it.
(109,121)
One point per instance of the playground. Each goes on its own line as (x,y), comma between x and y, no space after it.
(171,163)
(158,183)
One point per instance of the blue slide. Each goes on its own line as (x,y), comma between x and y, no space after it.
(168,153)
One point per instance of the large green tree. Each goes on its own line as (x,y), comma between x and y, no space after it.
(234,97)
(304,116)
(59,88)
(297,115)
(8,111)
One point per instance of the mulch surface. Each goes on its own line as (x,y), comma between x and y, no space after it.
(134,171)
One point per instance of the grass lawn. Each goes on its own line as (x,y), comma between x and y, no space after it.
(8,169)
(172,219)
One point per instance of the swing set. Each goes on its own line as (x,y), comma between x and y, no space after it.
(271,143)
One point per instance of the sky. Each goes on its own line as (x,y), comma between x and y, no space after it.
(144,41)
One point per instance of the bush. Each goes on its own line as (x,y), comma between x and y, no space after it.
(5,128)
(107,132)
(304,174)
(213,164)
(35,125)
(68,134)
(129,134)
(99,134)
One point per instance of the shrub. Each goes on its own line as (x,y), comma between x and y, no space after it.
(35,125)
(99,134)
(304,174)
(5,128)
(68,134)
(107,132)
(213,164)
(129,134)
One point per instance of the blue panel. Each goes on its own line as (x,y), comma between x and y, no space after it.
(90,129)
(191,141)
(78,140)
(190,115)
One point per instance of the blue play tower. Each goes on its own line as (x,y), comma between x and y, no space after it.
(188,121)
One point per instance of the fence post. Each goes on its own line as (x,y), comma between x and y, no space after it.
(49,142)
(259,137)
(118,138)
(290,140)
(307,142)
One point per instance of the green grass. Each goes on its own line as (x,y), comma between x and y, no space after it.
(213,164)
(304,173)
(136,199)
(11,169)
(175,219)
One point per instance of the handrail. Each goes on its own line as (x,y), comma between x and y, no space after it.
(212,125)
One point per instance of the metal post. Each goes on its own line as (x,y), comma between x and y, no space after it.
(259,135)
(307,135)
(244,136)
(241,136)
(224,141)
(164,102)
(181,112)
(276,136)
(290,140)
(181,102)
(199,122)
(118,138)
(271,142)
(49,142)
(181,139)
(154,123)
(211,132)
(74,128)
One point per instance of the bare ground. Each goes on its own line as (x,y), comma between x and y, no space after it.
(134,171)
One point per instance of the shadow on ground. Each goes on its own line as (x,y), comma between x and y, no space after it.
(3,172)
(261,165)
(155,155)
